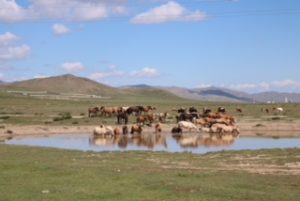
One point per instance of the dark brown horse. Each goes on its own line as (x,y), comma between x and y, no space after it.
(122,117)
(93,111)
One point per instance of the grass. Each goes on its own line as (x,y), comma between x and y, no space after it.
(31,110)
(29,173)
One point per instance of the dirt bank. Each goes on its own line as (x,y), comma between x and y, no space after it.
(247,128)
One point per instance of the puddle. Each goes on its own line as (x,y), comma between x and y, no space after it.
(194,143)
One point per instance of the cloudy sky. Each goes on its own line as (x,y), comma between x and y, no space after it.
(248,45)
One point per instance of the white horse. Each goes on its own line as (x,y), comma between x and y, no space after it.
(187,125)
(102,130)
(279,109)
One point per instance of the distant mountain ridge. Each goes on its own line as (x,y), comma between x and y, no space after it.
(72,84)
(227,95)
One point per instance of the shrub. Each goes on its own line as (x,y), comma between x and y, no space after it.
(259,125)
(5,117)
(63,116)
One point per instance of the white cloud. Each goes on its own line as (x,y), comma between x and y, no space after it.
(75,10)
(112,71)
(7,38)
(11,51)
(102,75)
(145,72)
(40,76)
(73,66)
(286,83)
(168,12)
(204,85)
(60,29)
(10,11)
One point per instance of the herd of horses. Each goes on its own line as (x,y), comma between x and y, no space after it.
(190,119)
(186,118)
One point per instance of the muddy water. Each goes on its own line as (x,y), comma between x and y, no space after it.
(194,143)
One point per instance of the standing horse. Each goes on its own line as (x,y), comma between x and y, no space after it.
(122,117)
(93,111)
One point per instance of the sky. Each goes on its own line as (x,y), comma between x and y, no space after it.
(245,45)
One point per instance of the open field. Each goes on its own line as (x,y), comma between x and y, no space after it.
(50,174)
(29,173)
(30,115)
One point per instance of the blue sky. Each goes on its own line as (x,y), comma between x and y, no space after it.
(247,45)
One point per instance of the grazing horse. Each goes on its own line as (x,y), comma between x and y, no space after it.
(93,111)
(142,119)
(136,129)
(123,130)
(158,128)
(108,111)
(135,109)
(148,108)
(117,131)
(176,130)
(239,110)
(162,117)
(278,109)
(122,117)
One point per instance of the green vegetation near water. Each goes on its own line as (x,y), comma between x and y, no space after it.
(17,109)
(28,174)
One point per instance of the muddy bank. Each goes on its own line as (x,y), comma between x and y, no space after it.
(253,128)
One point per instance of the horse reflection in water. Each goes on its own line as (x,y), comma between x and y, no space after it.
(148,140)
(207,140)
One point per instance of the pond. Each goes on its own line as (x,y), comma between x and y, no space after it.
(194,143)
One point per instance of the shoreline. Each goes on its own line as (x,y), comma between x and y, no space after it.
(247,129)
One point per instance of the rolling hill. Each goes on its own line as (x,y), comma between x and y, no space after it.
(63,84)
(70,84)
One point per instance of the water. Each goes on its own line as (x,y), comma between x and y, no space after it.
(193,143)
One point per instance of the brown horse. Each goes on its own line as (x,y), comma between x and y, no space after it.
(142,119)
(136,129)
(93,111)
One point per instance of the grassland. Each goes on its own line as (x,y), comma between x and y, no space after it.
(24,110)
(50,174)
(29,173)
(23,115)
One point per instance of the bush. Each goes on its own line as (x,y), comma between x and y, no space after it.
(259,125)
(63,116)
(5,117)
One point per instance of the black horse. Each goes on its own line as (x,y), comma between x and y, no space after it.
(122,117)
(187,117)
(135,109)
